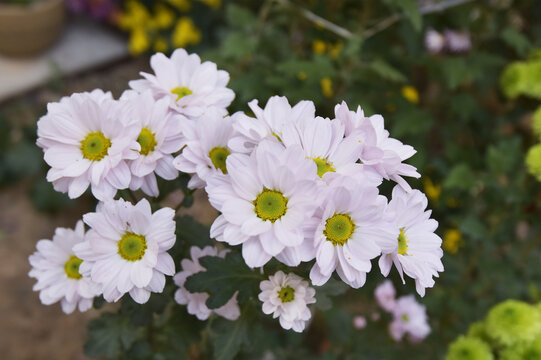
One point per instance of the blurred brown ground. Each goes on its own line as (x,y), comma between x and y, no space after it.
(29,330)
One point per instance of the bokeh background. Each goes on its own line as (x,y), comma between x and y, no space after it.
(460,80)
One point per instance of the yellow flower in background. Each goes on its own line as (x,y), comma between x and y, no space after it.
(452,240)
(161,45)
(318,47)
(302,75)
(185,33)
(163,17)
(182,5)
(411,94)
(452,202)
(335,50)
(139,42)
(135,16)
(432,191)
(326,87)
(213,4)
(533,161)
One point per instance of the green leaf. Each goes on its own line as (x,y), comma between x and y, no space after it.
(192,232)
(238,45)
(228,337)
(238,17)
(455,71)
(516,40)
(224,277)
(460,177)
(45,198)
(386,71)
(331,288)
(110,334)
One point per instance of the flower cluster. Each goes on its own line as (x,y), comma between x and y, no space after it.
(512,330)
(289,185)
(409,317)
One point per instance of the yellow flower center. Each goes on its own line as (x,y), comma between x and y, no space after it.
(71,267)
(95,146)
(181,91)
(323,166)
(402,243)
(286,294)
(147,140)
(339,228)
(270,205)
(218,155)
(132,246)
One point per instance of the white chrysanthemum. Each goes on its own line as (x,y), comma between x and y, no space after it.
(417,250)
(86,143)
(160,135)
(206,147)
(57,270)
(276,119)
(379,153)
(287,297)
(197,301)
(348,230)
(434,41)
(191,86)
(385,295)
(126,249)
(264,200)
(409,318)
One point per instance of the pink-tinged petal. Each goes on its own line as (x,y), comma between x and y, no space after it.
(385,264)
(139,295)
(63,156)
(326,258)
(165,264)
(271,245)
(253,253)
(233,235)
(238,211)
(77,187)
(254,226)
(157,283)
(140,274)
(120,176)
(318,278)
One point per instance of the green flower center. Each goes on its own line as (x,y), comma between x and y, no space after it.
(181,91)
(95,146)
(339,228)
(147,140)
(405,318)
(218,155)
(286,294)
(270,205)
(71,267)
(402,243)
(132,246)
(323,166)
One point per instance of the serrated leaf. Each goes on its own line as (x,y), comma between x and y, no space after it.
(110,334)
(193,233)
(224,277)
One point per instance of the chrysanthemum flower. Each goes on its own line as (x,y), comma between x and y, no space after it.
(434,41)
(264,200)
(533,161)
(348,230)
(159,136)
(206,148)
(126,249)
(287,297)
(197,301)
(417,251)
(512,322)
(191,86)
(385,295)
(57,270)
(86,142)
(409,318)
(469,348)
(523,351)
(277,119)
(380,153)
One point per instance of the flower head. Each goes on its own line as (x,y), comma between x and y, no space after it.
(57,270)
(287,297)
(409,318)
(206,148)
(126,249)
(87,141)
(264,200)
(190,85)
(513,322)
(197,301)
(533,161)
(434,41)
(417,251)
(159,136)
(348,230)
(469,348)
(524,351)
